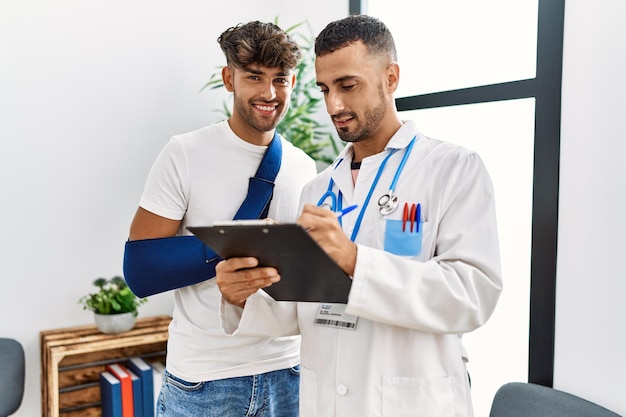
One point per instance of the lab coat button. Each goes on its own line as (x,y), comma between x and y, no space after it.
(342,389)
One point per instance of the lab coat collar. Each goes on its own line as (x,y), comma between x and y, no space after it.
(403,136)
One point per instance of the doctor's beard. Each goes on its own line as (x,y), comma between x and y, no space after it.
(365,129)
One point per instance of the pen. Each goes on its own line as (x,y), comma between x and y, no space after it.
(418,217)
(405,216)
(345,211)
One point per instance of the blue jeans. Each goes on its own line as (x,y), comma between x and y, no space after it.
(273,394)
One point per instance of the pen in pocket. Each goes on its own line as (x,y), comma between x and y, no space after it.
(418,216)
(412,215)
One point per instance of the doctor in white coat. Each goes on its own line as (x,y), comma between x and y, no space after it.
(421,249)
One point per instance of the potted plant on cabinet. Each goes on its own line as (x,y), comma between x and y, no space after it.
(114,305)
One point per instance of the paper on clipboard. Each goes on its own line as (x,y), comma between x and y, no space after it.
(307,272)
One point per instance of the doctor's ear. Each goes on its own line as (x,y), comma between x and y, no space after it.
(227,78)
(392,74)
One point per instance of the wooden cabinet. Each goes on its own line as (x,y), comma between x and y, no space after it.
(72,359)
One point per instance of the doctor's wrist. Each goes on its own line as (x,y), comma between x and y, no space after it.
(348,259)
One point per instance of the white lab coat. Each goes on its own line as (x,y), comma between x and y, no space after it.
(405,356)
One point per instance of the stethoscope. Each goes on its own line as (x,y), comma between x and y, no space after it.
(335,200)
(387,203)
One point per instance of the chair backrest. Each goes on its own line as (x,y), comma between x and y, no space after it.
(12,367)
(519,399)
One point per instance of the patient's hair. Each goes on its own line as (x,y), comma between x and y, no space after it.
(262,44)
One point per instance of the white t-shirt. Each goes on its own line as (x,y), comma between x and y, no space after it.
(202,177)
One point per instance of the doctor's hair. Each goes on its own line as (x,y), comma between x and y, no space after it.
(259,44)
(374,34)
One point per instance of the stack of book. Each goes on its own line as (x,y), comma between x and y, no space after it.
(130,389)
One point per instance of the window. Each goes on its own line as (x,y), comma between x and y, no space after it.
(452,44)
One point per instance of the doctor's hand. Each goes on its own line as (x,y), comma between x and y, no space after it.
(324,228)
(239,278)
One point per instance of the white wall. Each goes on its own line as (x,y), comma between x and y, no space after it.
(590,346)
(89,93)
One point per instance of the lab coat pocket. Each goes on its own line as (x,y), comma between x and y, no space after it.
(401,242)
(308,398)
(418,397)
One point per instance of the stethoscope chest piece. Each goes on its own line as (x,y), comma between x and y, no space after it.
(387,203)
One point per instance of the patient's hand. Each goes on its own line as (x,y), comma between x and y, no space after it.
(239,278)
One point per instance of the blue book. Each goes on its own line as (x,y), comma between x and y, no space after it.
(143,370)
(110,395)
(137,395)
(121,373)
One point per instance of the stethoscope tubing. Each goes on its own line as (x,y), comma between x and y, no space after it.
(387,203)
(334,198)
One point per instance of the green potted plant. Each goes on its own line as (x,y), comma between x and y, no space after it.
(298,126)
(114,305)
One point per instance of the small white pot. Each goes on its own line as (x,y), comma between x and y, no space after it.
(115,323)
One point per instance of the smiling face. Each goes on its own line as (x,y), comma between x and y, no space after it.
(260,99)
(358,90)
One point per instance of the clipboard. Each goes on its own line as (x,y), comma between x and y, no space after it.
(307,272)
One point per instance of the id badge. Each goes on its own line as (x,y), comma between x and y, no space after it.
(334,315)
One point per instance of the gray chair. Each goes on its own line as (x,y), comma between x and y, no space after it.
(518,399)
(12,367)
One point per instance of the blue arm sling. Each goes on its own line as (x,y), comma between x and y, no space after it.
(152,266)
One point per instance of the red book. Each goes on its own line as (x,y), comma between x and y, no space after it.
(120,372)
